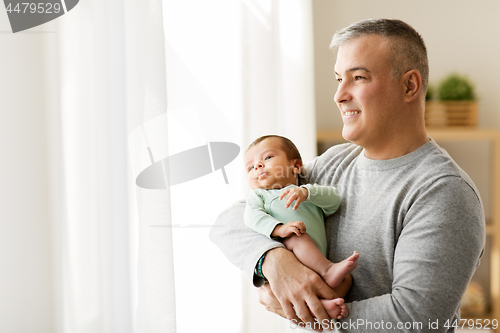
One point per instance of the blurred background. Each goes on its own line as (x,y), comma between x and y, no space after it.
(73,231)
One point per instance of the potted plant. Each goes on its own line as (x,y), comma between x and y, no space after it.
(458,100)
(456,88)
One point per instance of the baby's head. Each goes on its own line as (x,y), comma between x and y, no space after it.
(272,162)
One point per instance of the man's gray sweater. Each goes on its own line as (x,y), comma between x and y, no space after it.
(417,222)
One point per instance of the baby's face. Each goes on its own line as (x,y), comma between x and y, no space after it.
(268,166)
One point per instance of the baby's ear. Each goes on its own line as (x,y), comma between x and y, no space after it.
(297,166)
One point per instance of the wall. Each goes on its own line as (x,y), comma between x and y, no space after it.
(460,36)
(26,303)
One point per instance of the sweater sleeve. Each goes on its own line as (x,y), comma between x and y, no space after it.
(255,216)
(435,256)
(242,246)
(325,197)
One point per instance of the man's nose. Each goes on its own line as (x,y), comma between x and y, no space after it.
(342,94)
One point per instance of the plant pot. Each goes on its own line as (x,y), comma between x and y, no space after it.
(451,114)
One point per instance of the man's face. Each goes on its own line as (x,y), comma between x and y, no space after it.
(368,97)
(268,166)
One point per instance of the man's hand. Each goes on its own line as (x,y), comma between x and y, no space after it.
(296,287)
(288,229)
(271,303)
(297,194)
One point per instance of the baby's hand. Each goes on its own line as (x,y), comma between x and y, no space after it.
(297,194)
(288,229)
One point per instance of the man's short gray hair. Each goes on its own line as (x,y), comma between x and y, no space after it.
(407,46)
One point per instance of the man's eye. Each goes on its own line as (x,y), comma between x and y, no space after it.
(339,80)
(359,78)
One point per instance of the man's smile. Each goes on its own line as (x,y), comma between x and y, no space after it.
(349,113)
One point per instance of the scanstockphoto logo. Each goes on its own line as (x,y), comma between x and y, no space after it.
(28,14)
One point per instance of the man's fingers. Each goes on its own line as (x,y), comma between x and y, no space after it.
(297,313)
(293,283)
(271,303)
(304,313)
(318,311)
(290,312)
(322,291)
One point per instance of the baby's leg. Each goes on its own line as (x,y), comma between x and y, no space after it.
(343,288)
(335,308)
(308,253)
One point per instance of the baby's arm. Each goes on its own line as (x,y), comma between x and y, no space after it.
(325,197)
(256,217)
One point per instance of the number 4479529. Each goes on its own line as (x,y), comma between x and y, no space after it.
(472,323)
(32,8)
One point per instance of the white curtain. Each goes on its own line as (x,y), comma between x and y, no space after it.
(141,81)
(278,68)
(113,270)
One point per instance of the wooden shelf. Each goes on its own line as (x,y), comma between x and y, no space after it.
(487,315)
(466,134)
(490,230)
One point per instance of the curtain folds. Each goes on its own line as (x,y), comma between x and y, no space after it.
(114,270)
(278,96)
(278,71)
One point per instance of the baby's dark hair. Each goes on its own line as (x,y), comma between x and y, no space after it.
(291,151)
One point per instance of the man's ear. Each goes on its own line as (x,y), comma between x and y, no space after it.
(297,166)
(412,83)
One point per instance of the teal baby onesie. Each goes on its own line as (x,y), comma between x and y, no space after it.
(264,210)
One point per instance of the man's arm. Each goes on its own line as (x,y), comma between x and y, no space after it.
(242,246)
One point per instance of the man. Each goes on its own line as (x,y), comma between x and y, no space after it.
(413,215)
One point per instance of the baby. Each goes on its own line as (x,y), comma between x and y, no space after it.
(273,164)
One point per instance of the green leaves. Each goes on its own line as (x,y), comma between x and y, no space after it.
(456,88)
